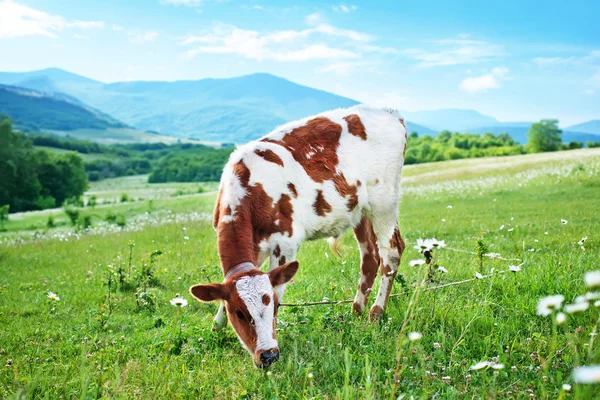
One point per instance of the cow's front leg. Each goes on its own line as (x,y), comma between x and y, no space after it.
(391,247)
(369,261)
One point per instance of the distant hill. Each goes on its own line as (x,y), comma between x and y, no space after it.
(236,109)
(592,126)
(518,131)
(420,129)
(451,119)
(33,110)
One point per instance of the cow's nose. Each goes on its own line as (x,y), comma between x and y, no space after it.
(269,357)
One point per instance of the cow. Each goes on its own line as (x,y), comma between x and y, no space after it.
(306,180)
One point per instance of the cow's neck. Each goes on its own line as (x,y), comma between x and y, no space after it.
(236,242)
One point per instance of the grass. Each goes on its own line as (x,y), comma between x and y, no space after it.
(91,344)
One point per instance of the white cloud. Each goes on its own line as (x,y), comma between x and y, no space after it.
(485,82)
(283,46)
(116,27)
(347,68)
(344,8)
(313,19)
(136,36)
(454,52)
(592,57)
(19,20)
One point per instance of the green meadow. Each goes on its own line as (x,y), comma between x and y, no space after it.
(114,334)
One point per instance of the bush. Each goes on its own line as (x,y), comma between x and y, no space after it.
(73,214)
(92,201)
(50,223)
(124,198)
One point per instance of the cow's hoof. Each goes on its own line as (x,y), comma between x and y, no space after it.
(375,313)
(357,309)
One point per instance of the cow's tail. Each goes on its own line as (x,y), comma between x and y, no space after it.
(334,245)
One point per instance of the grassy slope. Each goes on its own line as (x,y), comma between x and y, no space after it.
(62,351)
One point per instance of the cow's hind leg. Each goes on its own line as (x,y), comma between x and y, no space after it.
(369,262)
(391,245)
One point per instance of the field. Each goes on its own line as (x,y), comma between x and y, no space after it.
(114,334)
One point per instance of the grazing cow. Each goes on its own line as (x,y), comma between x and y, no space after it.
(309,179)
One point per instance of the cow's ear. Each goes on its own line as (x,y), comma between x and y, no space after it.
(284,273)
(209,292)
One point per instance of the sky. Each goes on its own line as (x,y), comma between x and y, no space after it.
(514,60)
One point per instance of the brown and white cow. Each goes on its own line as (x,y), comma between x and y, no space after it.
(309,179)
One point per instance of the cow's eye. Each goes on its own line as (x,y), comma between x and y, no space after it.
(240,315)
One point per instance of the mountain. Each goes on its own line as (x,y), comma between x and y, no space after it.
(219,110)
(451,119)
(592,126)
(420,129)
(34,110)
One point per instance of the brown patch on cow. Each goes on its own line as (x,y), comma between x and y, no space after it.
(358,182)
(277,251)
(258,216)
(292,189)
(243,327)
(396,242)
(376,181)
(270,156)
(217,210)
(346,190)
(355,126)
(357,308)
(402,122)
(321,206)
(282,260)
(405,140)
(314,146)
(266,299)
(370,259)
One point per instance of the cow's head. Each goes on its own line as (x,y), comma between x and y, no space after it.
(251,304)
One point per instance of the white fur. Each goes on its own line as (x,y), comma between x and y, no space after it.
(251,290)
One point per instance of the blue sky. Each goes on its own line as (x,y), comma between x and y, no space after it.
(514,61)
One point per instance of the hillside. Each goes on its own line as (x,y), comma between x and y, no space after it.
(33,110)
(518,131)
(451,119)
(592,126)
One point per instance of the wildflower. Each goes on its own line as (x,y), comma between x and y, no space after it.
(53,296)
(497,366)
(592,279)
(310,375)
(414,336)
(566,387)
(179,302)
(449,207)
(514,268)
(437,346)
(442,270)
(478,275)
(437,244)
(545,233)
(577,307)
(416,263)
(561,318)
(423,245)
(446,379)
(511,229)
(326,255)
(501,227)
(589,374)
(200,340)
(481,365)
(564,221)
(443,219)
(549,303)
(583,240)
(269,373)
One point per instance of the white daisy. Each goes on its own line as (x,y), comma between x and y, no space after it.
(53,296)
(501,227)
(437,244)
(564,221)
(589,374)
(514,268)
(442,270)
(561,318)
(549,303)
(449,207)
(481,365)
(423,245)
(414,336)
(583,240)
(566,387)
(497,366)
(416,263)
(592,279)
(179,302)
(478,275)
(577,307)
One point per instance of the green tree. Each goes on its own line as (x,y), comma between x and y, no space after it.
(544,136)
(3,215)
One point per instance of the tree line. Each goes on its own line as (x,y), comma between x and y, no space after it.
(33,179)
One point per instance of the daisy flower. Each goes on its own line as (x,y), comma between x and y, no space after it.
(179,302)
(549,303)
(592,279)
(442,270)
(564,221)
(481,365)
(416,263)
(589,374)
(514,268)
(561,318)
(423,245)
(582,241)
(478,275)
(53,296)
(577,307)
(414,336)
(437,244)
